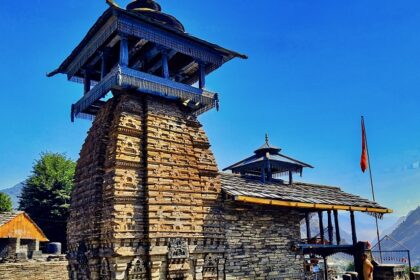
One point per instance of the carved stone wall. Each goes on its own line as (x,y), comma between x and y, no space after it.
(146,199)
(147,204)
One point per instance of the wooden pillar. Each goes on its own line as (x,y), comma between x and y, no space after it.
(353,228)
(290,178)
(165,64)
(104,63)
(87,82)
(202,77)
(337,228)
(269,173)
(263,175)
(308,226)
(330,228)
(325,269)
(124,55)
(321,227)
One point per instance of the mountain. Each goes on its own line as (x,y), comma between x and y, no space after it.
(345,236)
(365,226)
(14,192)
(393,227)
(408,235)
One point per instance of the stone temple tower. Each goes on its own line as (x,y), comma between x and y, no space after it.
(145,203)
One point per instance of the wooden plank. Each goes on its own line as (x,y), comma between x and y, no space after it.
(310,205)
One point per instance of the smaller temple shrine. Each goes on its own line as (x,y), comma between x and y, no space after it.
(263,214)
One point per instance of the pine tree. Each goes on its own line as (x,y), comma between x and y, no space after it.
(46,194)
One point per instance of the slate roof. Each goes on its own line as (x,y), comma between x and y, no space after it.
(8,216)
(297,193)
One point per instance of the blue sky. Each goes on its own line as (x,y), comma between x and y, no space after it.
(314,68)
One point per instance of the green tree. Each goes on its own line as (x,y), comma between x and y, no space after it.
(5,203)
(46,194)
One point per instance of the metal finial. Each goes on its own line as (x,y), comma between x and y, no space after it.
(266,138)
(112,3)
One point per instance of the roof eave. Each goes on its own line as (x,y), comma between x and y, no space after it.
(115,11)
(315,206)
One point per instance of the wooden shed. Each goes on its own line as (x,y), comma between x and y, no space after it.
(19,235)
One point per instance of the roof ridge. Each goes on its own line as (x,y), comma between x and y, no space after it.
(278,181)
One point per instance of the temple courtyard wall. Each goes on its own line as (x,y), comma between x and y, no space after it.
(34,271)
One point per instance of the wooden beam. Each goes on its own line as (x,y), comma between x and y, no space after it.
(308,226)
(87,81)
(144,56)
(330,228)
(124,52)
(165,65)
(182,72)
(321,226)
(202,75)
(105,62)
(325,268)
(337,228)
(263,175)
(304,205)
(159,63)
(353,228)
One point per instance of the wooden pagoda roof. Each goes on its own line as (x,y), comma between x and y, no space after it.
(267,153)
(297,195)
(117,12)
(20,225)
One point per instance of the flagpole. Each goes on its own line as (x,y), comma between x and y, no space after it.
(372,187)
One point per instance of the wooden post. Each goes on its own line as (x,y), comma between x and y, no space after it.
(86,82)
(202,77)
(104,63)
(308,226)
(337,228)
(124,55)
(330,228)
(263,174)
(321,227)
(353,228)
(325,268)
(165,64)
(290,178)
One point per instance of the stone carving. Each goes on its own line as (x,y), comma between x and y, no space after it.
(178,248)
(210,267)
(105,272)
(210,262)
(82,261)
(136,270)
(140,163)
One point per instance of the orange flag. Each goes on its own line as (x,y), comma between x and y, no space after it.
(364,159)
